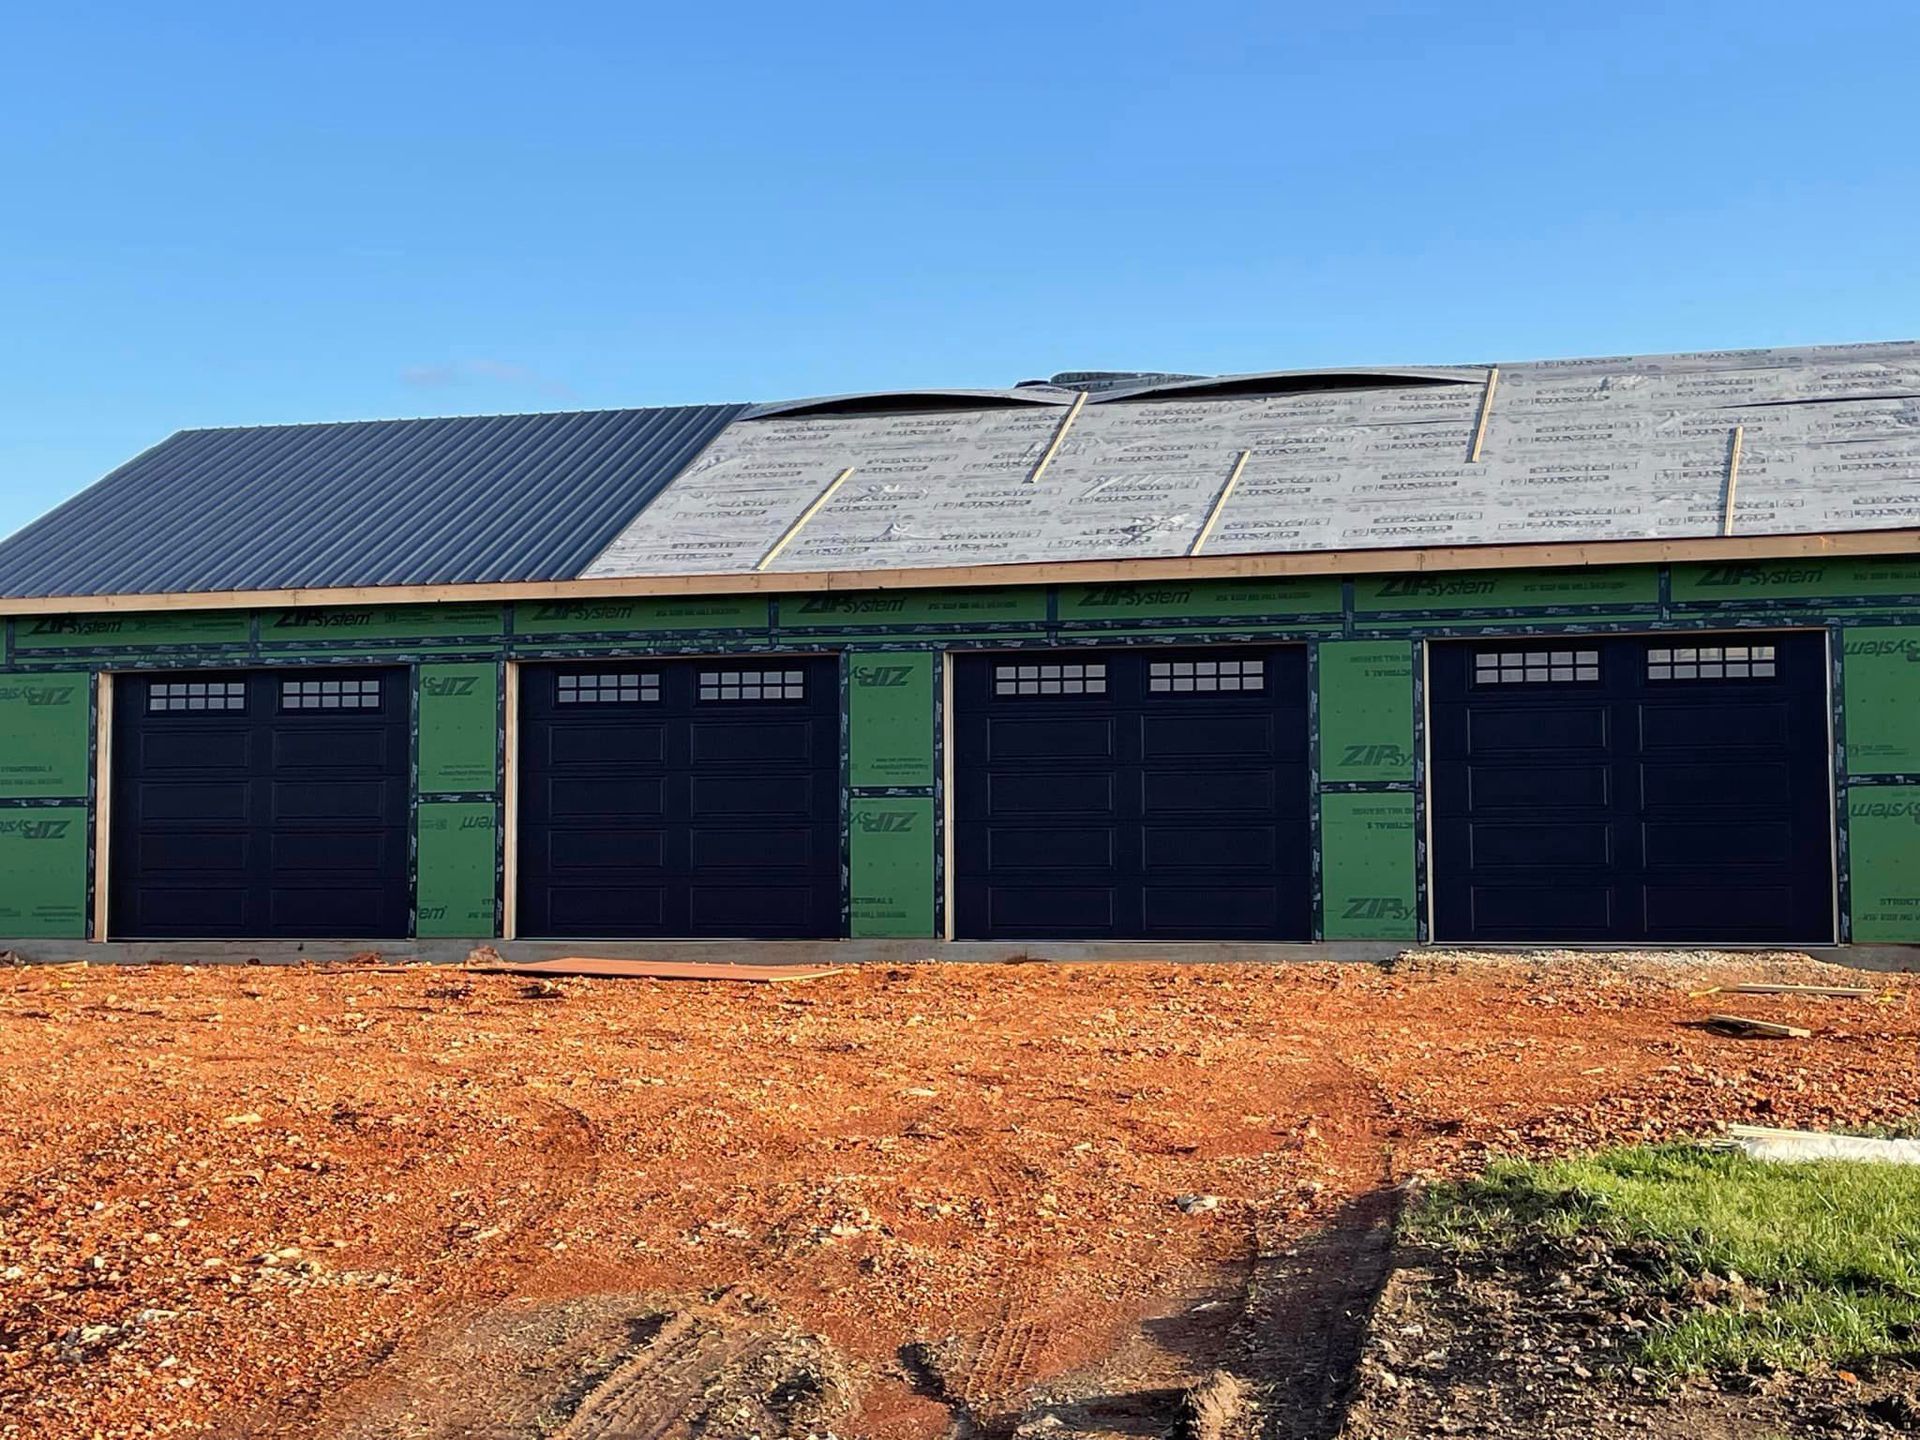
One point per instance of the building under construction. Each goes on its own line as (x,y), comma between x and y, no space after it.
(1615,651)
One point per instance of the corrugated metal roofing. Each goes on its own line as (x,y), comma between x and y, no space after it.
(386,502)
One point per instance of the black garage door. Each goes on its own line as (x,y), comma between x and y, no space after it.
(1632,789)
(681,798)
(1133,794)
(260,804)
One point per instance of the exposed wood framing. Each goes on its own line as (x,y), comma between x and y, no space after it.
(102,797)
(1486,409)
(510,803)
(1733,477)
(807,514)
(1053,445)
(1219,503)
(1438,559)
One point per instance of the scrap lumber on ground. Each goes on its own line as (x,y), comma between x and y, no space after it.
(1747,1025)
(609,969)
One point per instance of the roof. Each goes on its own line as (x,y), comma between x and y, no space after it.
(1087,468)
(1753,442)
(385,502)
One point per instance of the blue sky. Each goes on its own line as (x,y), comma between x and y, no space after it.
(216,214)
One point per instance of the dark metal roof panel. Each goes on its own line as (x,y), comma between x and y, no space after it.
(464,500)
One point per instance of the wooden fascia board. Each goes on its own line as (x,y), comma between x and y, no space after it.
(1161,569)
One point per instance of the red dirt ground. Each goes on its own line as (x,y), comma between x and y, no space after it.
(228,1197)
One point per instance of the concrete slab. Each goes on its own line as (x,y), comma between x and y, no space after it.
(1891,959)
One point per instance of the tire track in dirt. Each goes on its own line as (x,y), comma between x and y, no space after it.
(1308,1299)
(706,1363)
(981,1378)
(1302,1302)
(565,1150)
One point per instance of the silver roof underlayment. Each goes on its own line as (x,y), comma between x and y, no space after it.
(1807,441)
(1097,466)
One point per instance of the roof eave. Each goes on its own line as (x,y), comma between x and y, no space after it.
(1165,569)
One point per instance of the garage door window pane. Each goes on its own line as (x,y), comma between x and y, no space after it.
(1180,677)
(753,685)
(1042,679)
(329,694)
(1711,662)
(1536,667)
(166,695)
(627,688)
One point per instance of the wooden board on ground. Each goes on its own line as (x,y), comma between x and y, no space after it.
(608,969)
(1747,1025)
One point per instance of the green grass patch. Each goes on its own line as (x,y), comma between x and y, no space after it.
(1829,1251)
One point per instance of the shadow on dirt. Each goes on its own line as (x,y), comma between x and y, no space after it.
(1267,1351)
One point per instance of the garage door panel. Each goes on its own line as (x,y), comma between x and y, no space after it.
(599,746)
(350,908)
(1217,792)
(1730,912)
(1706,843)
(192,853)
(335,853)
(1532,845)
(191,910)
(332,749)
(766,740)
(1166,798)
(339,799)
(756,848)
(606,910)
(609,796)
(1710,783)
(193,749)
(1066,738)
(1053,909)
(192,802)
(728,796)
(1206,736)
(1175,910)
(613,847)
(1212,847)
(1505,729)
(681,800)
(1541,785)
(1569,908)
(1707,813)
(1049,794)
(1726,726)
(771,910)
(1065,847)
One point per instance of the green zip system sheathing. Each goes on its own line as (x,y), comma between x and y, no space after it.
(892,763)
(457,868)
(45,790)
(1367,660)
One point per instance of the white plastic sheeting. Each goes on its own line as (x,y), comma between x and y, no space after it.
(1767,1144)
